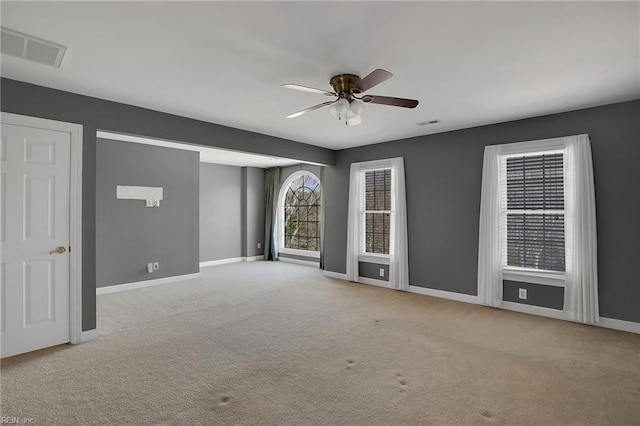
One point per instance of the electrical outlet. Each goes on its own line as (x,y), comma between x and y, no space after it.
(149,268)
(522,293)
(156,266)
(382,272)
(259,245)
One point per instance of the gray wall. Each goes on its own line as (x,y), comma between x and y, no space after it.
(443,179)
(128,234)
(538,295)
(93,113)
(220,212)
(372,270)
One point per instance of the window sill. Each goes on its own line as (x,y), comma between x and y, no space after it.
(380,259)
(297,252)
(555,279)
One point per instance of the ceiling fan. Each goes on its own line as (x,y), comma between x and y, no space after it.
(347,106)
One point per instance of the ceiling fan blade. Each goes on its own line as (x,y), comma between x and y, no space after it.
(306,110)
(386,100)
(373,79)
(308,89)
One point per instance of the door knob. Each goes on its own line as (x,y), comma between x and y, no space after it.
(58,250)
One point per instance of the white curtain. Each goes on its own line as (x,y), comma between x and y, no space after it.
(271,182)
(581,287)
(490,241)
(353,222)
(399,262)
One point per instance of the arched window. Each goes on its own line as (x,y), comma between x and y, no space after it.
(299,213)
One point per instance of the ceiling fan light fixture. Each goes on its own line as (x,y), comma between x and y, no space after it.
(333,110)
(357,106)
(354,121)
(340,109)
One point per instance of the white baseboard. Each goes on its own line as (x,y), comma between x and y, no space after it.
(362,280)
(336,275)
(89,335)
(220,262)
(299,261)
(252,258)
(377,283)
(147,283)
(229,260)
(460,297)
(631,327)
(614,324)
(533,310)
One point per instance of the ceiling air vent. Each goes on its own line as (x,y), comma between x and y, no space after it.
(35,49)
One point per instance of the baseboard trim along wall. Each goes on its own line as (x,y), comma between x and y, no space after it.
(533,310)
(466,298)
(373,281)
(299,261)
(88,335)
(615,324)
(336,275)
(362,280)
(220,262)
(147,283)
(631,327)
(229,260)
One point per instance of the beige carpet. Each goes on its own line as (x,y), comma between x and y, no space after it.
(276,343)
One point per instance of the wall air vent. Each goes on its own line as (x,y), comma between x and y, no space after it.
(28,47)
(426,123)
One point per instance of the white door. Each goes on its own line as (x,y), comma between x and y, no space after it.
(34,232)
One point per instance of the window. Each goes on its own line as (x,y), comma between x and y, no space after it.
(300,213)
(538,222)
(533,211)
(377,220)
(377,211)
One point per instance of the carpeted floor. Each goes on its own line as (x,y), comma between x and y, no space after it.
(276,343)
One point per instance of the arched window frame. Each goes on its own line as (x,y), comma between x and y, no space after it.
(280,213)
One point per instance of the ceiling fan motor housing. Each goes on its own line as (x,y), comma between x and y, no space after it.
(344,85)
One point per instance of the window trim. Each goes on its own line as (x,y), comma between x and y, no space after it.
(280,214)
(534,276)
(377,258)
(524,149)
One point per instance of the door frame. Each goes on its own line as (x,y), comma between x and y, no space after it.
(75,211)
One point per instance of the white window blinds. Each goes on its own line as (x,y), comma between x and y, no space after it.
(533,206)
(377,211)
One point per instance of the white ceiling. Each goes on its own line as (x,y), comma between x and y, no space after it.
(469,63)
